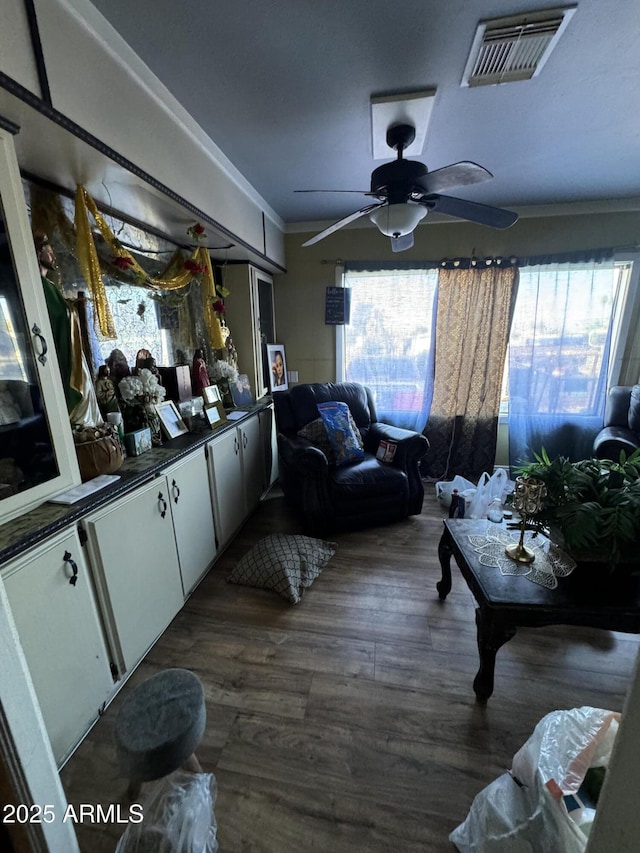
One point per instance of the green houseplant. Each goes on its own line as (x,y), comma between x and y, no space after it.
(594,504)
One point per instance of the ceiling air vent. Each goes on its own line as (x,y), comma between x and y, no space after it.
(514,48)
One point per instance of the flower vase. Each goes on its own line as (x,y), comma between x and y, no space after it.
(134,416)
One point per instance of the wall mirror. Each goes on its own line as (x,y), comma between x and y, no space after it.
(168,324)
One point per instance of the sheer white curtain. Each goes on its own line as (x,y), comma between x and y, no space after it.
(558,358)
(389,342)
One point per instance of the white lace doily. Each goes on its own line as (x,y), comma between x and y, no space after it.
(550,562)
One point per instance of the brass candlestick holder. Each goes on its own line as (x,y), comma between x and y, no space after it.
(528,496)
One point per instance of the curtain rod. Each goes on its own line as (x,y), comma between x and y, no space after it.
(596,255)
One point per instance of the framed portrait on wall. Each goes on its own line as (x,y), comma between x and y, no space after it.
(277,368)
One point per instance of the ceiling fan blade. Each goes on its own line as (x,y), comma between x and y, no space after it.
(494,217)
(342,222)
(400,244)
(456,175)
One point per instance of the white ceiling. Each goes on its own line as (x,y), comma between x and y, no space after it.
(283,87)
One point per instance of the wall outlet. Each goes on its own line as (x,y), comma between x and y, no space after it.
(292,375)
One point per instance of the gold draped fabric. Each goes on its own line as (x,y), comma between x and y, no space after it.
(472,331)
(174,277)
(90,266)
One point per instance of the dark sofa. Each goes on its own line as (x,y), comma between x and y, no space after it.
(621,423)
(359,494)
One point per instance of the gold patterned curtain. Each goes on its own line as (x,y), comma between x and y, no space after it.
(475,306)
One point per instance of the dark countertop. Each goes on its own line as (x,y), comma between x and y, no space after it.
(38,524)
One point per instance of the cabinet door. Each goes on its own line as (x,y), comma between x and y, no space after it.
(135,562)
(54,609)
(250,314)
(225,463)
(192,510)
(252,461)
(269,438)
(36,444)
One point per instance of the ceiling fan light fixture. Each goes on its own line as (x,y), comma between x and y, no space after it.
(396,220)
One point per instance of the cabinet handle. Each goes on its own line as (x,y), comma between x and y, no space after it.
(73,580)
(162,505)
(236,446)
(42,355)
(245,440)
(175,489)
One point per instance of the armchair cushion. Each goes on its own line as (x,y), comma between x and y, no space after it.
(344,438)
(316,433)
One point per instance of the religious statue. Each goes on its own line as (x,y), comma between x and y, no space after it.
(199,375)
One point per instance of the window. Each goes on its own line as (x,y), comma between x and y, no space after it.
(557,364)
(388,344)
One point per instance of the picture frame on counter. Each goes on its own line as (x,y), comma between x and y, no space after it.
(215,414)
(211,394)
(171,419)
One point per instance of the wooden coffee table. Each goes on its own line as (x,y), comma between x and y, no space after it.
(588,597)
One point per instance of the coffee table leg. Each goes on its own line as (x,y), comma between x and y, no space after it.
(444,555)
(492,634)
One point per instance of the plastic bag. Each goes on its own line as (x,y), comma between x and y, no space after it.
(488,488)
(178,817)
(479,503)
(524,811)
(445,487)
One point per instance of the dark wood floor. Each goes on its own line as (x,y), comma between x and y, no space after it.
(348,723)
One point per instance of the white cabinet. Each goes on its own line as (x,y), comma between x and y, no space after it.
(35,436)
(52,601)
(227,486)
(269,438)
(192,513)
(236,463)
(251,318)
(252,462)
(137,575)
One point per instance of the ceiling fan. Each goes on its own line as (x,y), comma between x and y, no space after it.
(407,191)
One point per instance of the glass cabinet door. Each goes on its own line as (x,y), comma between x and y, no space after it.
(27,456)
(37,457)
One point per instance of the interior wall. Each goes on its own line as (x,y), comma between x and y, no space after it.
(300,292)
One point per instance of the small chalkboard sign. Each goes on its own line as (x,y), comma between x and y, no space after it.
(337,306)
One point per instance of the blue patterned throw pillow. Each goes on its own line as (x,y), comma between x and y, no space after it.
(342,431)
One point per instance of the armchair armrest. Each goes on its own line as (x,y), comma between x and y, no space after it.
(302,454)
(412,446)
(304,476)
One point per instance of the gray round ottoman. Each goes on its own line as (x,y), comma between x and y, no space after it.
(159,727)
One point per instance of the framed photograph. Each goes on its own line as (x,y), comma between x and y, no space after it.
(277,367)
(170,419)
(215,414)
(211,394)
(241,391)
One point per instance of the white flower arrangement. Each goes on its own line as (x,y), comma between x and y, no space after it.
(222,370)
(143,388)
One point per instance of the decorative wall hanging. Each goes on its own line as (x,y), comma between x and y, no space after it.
(178,274)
